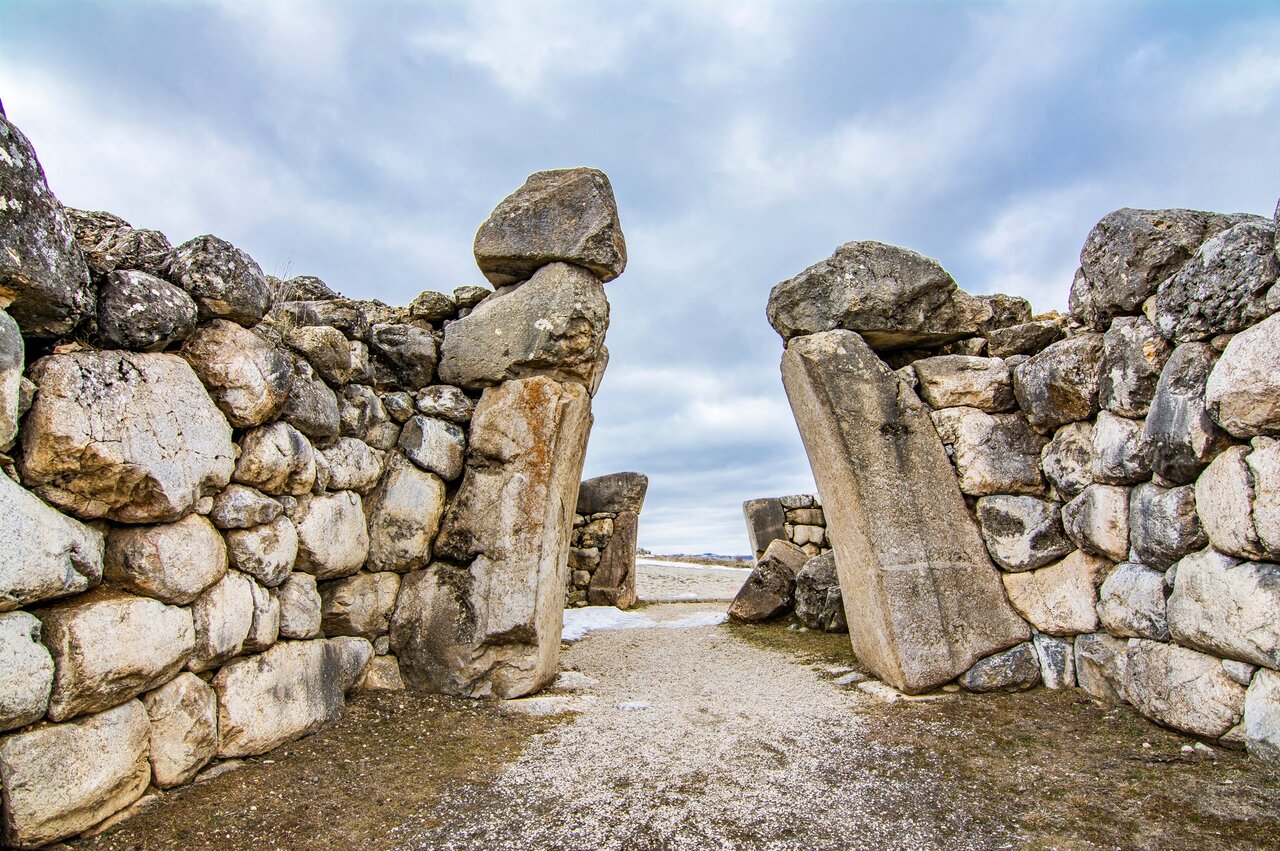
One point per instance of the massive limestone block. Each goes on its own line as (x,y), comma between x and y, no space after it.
(359,605)
(248,377)
(1016,669)
(770,589)
(1060,599)
(435,445)
(129,437)
(766,523)
(1180,435)
(61,779)
(173,562)
(1262,717)
(266,552)
(26,671)
(1025,338)
(1022,532)
(1119,455)
(613,494)
(993,453)
(1227,286)
(12,362)
(953,381)
(893,297)
(1163,524)
(567,215)
(43,553)
(1227,608)
(922,598)
(44,283)
(1133,356)
(225,282)
(353,465)
(108,243)
(311,406)
(142,312)
(1100,661)
(1186,690)
(491,627)
(1131,603)
(1243,391)
(1067,459)
(223,616)
(554,325)
(614,580)
(333,540)
(277,459)
(403,514)
(299,607)
(108,646)
(288,691)
(819,603)
(184,729)
(1060,385)
(1098,521)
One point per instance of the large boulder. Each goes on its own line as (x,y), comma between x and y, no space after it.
(142,312)
(1022,532)
(770,589)
(276,459)
(184,729)
(288,691)
(130,437)
(1098,521)
(61,779)
(44,283)
(612,494)
(1243,391)
(554,325)
(993,453)
(953,381)
(614,581)
(923,599)
(1067,459)
(43,553)
(893,297)
(359,605)
(435,445)
(1180,436)
(567,215)
(1060,385)
(26,671)
(223,616)
(1059,599)
(1186,690)
(490,626)
(109,243)
(1131,603)
(173,562)
(766,522)
(265,552)
(1163,524)
(819,603)
(403,514)
(333,540)
(1228,608)
(225,282)
(1133,356)
(108,646)
(248,377)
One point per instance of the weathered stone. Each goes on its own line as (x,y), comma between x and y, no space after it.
(1131,603)
(1057,658)
(1181,436)
(1241,672)
(44,283)
(223,617)
(327,350)
(360,410)
(240,507)
(923,600)
(1022,532)
(434,445)
(614,493)
(381,674)
(493,627)
(359,605)
(265,627)
(142,312)
(893,297)
(1015,669)
(1100,666)
(1027,338)
(1224,497)
(130,437)
(1060,385)
(1098,521)
(770,589)
(1133,356)
(292,689)
(299,607)
(1059,599)
(248,378)
(311,407)
(12,360)
(403,514)
(953,381)
(1067,459)
(108,243)
(595,534)
(766,523)
(399,406)
(819,603)
(173,562)
(266,552)
(806,517)
(277,459)
(468,297)
(225,282)
(411,351)
(433,306)
(809,535)
(108,646)
(1227,608)
(43,553)
(1264,472)
(1243,391)
(1227,286)
(353,465)
(26,671)
(993,453)
(1163,524)
(1119,455)
(1262,717)
(1184,689)
(554,326)
(614,581)
(184,729)
(333,540)
(445,402)
(567,215)
(61,779)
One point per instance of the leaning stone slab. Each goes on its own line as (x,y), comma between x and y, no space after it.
(26,671)
(1227,608)
(1022,532)
(1243,391)
(1060,599)
(130,437)
(184,729)
(1015,669)
(62,779)
(770,589)
(614,493)
(1262,717)
(1186,690)
(924,602)
(43,553)
(766,523)
(1180,436)
(614,580)
(172,562)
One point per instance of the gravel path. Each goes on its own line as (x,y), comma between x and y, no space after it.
(660,581)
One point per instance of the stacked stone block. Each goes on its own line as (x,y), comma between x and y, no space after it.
(602,558)
(794,569)
(797,518)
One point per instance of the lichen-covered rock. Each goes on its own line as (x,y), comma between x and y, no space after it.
(952,381)
(432,306)
(43,554)
(248,377)
(1227,286)
(1262,717)
(173,562)
(1133,356)
(411,351)
(1100,666)
(434,445)
(144,313)
(1060,384)
(184,729)
(327,350)
(1243,391)
(554,325)
(1119,455)
(61,779)
(26,671)
(1180,435)
(1228,608)
(108,646)
(266,552)
(446,402)
(1026,338)
(894,298)
(1131,603)
(109,243)
(1022,532)
(311,406)
(333,540)
(276,459)
(130,437)
(299,607)
(1059,599)
(1186,690)
(12,363)
(359,605)
(1067,459)
(223,616)
(241,507)
(567,215)
(353,465)
(993,453)
(770,589)
(225,282)
(1163,524)
(1015,669)
(1057,658)
(44,283)
(1098,521)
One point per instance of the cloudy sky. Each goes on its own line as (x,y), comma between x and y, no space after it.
(364,143)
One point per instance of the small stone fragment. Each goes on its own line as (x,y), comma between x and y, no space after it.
(1015,669)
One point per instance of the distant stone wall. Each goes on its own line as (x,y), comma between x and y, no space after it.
(1084,500)
(230,500)
(797,518)
(602,557)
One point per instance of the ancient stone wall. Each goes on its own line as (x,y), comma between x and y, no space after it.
(602,556)
(1083,500)
(230,500)
(797,518)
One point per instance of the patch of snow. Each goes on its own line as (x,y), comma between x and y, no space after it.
(578,622)
(680,565)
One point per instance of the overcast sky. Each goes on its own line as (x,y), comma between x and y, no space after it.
(365,142)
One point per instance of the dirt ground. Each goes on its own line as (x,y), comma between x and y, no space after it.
(726,737)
